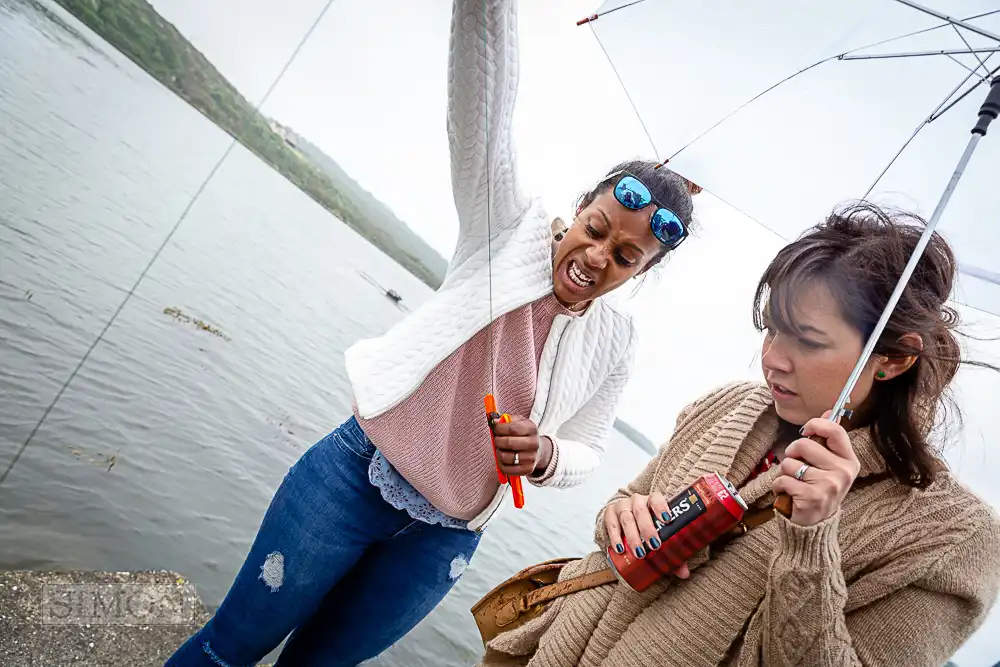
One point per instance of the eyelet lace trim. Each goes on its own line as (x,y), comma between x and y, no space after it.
(400,494)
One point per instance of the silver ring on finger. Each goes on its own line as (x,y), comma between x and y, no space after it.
(517,458)
(801,472)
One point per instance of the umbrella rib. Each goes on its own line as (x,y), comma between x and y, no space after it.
(934,115)
(615,9)
(974,71)
(635,109)
(842,56)
(963,95)
(747,103)
(594,17)
(917,54)
(956,22)
(966,42)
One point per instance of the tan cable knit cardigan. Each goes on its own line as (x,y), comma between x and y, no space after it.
(899,576)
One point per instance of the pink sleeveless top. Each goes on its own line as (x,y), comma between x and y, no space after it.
(437,438)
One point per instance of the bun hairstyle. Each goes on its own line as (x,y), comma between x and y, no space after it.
(668,188)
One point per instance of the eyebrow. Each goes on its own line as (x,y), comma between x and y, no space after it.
(800,328)
(604,214)
(805,328)
(607,221)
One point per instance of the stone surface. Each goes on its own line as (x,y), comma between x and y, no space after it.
(95,619)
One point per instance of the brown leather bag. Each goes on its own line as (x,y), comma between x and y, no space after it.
(526,595)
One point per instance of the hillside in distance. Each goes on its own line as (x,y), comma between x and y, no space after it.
(374,211)
(154,44)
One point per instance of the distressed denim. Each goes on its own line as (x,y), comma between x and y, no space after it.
(335,565)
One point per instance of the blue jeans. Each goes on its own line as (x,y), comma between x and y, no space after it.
(334,564)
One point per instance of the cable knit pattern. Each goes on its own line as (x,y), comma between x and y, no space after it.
(585,361)
(899,576)
(438,438)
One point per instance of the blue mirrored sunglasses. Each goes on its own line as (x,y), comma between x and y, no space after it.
(665,224)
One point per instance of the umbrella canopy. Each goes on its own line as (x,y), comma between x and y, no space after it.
(784,109)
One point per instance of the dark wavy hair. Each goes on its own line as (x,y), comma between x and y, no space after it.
(858,253)
(668,188)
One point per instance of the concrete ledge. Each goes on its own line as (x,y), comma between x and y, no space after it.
(95,619)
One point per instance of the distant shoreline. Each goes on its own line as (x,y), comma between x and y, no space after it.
(641,441)
(136,30)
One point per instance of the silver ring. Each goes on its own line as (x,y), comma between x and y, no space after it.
(517,459)
(800,473)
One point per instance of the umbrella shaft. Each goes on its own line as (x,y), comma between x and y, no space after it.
(918,252)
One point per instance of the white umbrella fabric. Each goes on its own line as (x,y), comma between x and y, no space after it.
(783,109)
(857,82)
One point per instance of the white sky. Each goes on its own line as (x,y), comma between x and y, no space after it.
(369,88)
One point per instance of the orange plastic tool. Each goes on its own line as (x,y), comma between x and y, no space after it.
(494,417)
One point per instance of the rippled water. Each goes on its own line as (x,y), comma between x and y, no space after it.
(97,162)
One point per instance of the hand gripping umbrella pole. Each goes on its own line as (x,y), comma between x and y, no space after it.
(987,114)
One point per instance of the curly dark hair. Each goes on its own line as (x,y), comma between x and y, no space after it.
(859,252)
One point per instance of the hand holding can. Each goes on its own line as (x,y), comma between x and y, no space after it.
(636,520)
(631,521)
(651,537)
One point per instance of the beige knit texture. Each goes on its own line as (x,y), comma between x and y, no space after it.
(899,576)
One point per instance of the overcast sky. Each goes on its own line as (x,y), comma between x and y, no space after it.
(369,88)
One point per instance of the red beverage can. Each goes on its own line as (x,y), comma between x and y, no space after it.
(700,515)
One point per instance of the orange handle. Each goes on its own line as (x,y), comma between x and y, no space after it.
(490,404)
(783,504)
(515,481)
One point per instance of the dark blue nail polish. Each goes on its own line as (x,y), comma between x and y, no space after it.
(654,542)
(620,548)
(666,516)
(640,552)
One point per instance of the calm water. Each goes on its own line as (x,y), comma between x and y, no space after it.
(97,161)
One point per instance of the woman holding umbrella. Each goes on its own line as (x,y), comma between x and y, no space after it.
(886,558)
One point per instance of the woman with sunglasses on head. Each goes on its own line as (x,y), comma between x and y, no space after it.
(374,524)
(886,558)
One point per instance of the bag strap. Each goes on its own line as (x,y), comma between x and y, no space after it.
(574,585)
(752,519)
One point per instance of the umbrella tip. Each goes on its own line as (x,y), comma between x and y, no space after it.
(592,17)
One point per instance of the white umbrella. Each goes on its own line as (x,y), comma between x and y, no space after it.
(783,109)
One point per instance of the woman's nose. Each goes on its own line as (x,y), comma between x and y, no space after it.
(774,357)
(596,256)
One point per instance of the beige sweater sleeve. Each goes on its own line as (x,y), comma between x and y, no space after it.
(922,623)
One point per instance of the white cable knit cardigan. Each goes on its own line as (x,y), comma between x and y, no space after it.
(586,360)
